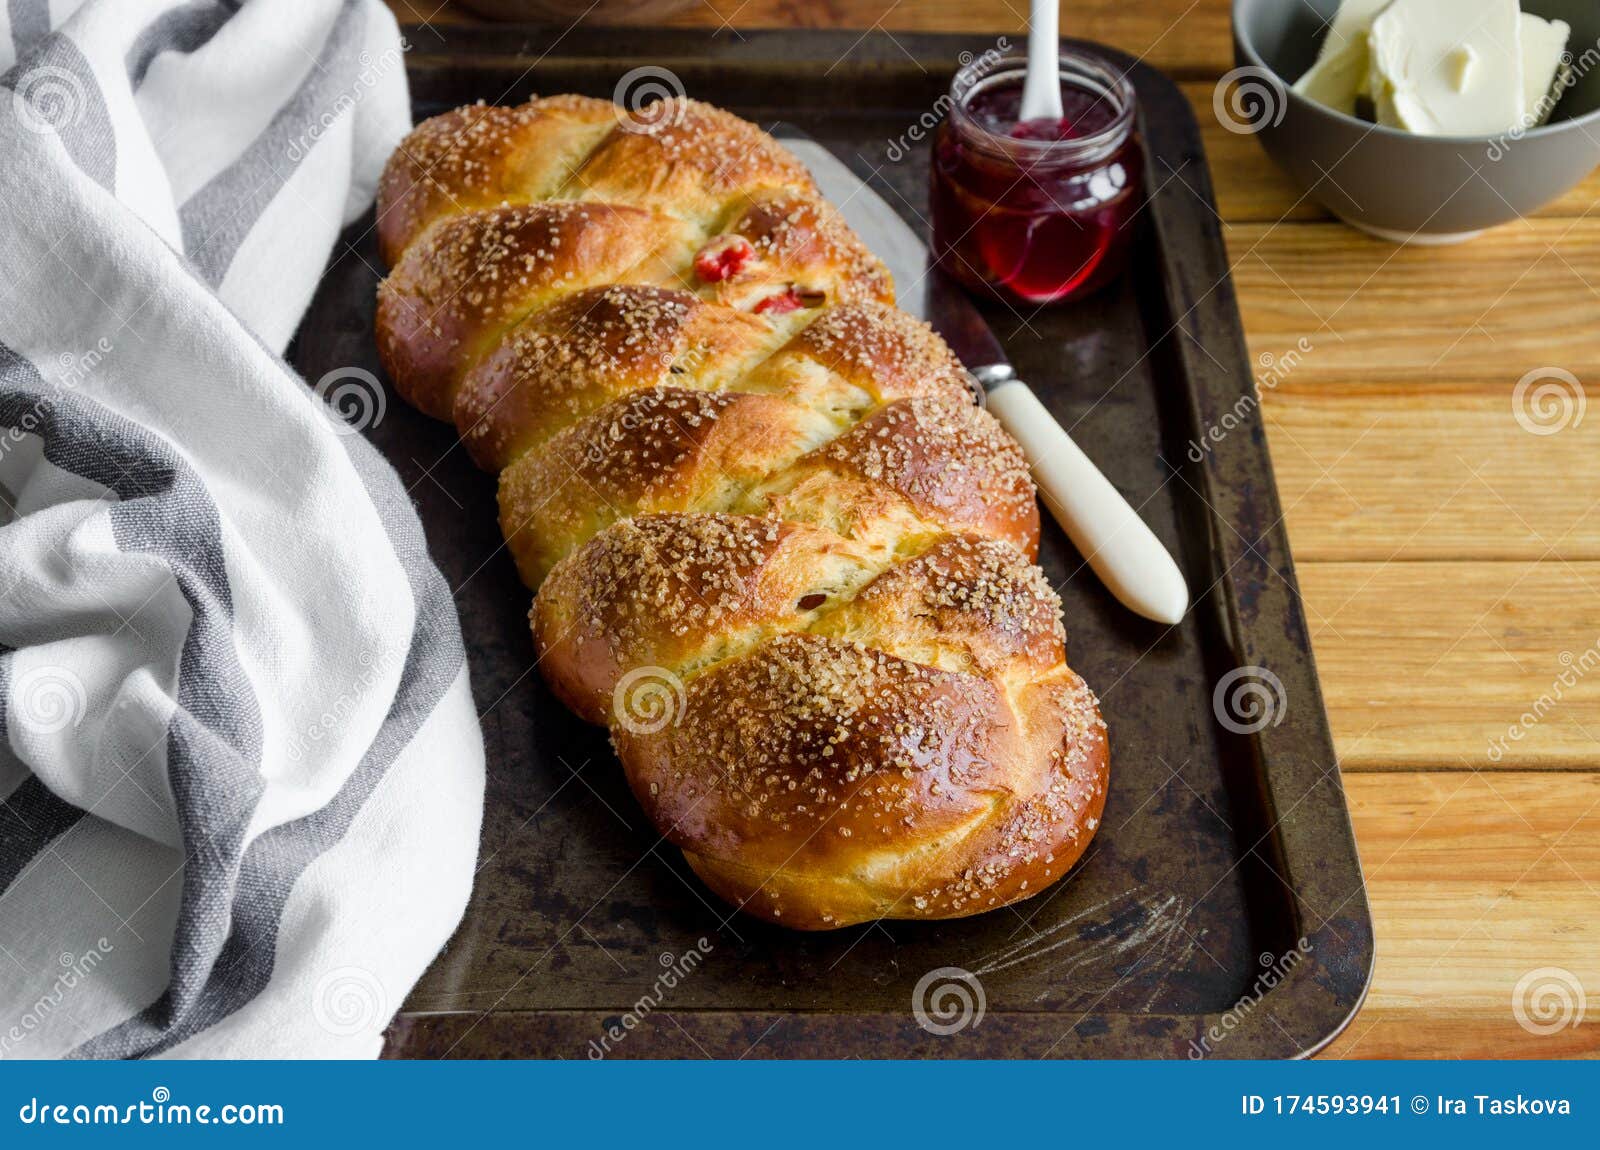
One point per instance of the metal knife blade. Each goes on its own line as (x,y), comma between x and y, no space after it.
(1117,544)
(920,287)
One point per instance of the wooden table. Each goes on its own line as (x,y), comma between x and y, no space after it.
(1449,558)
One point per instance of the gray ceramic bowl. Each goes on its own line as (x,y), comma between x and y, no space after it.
(1422,189)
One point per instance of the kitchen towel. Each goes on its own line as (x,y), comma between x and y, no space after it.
(241,775)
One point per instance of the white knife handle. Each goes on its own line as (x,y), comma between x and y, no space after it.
(1127,556)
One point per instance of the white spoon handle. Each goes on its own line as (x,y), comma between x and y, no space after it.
(1125,553)
(1041,93)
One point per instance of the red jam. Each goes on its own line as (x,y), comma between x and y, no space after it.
(1036,211)
(785,301)
(723,258)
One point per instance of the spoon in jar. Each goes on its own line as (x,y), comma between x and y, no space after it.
(1041,92)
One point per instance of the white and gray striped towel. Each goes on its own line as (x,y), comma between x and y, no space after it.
(241,777)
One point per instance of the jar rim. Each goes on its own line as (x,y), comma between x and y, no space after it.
(1083,70)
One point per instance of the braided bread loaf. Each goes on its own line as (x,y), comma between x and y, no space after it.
(777,548)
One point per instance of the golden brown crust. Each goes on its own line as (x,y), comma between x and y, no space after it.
(885,351)
(800,242)
(482,156)
(678,590)
(914,462)
(778,551)
(820,783)
(668,449)
(467,279)
(595,345)
(686,158)
(967,603)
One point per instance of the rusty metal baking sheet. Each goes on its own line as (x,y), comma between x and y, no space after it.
(1220,910)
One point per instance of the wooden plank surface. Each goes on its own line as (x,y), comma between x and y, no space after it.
(1465,665)
(1428,470)
(1449,553)
(1489,311)
(1482,889)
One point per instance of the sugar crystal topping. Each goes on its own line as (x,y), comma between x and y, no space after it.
(795,729)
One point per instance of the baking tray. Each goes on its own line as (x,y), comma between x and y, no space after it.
(1222,846)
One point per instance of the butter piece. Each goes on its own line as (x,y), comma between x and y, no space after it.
(1340,74)
(1381,92)
(1461,65)
(1413,46)
(1543,42)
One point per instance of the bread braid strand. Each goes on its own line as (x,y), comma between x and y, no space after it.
(777,550)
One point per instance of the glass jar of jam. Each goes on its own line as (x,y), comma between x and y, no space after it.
(1036,211)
